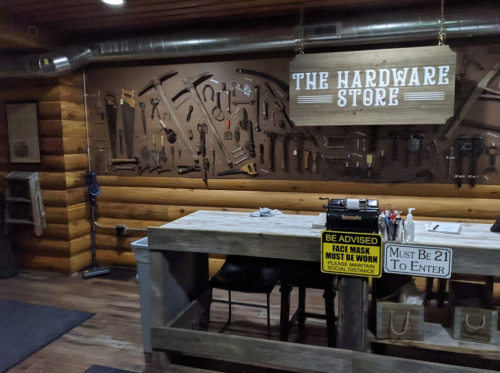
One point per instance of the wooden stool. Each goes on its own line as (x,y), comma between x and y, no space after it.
(306,275)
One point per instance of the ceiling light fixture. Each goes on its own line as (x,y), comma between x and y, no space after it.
(114,2)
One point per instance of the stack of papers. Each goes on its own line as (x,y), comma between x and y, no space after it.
(440,227)
(320,222)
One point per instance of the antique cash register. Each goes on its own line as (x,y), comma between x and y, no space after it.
(352,215)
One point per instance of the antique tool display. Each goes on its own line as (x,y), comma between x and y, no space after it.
(156,83)
(127,103)
(189,86)
(172,110)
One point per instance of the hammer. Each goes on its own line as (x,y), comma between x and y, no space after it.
(190,86)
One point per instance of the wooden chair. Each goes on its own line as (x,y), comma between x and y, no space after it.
(246,275)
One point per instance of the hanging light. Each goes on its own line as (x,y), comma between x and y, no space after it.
(114,2)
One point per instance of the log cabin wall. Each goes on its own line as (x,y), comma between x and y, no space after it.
(153,200)
(64,245)
(142,202)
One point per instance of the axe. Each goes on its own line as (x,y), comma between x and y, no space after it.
(190,86)
(155,83)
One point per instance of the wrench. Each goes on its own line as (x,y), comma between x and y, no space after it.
(265,105)
(162,171)
(257,98)
(228,101)
(239,155)
(125,168)
(188,118)
(236,103)
(241,160)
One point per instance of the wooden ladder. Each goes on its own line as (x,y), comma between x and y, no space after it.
(23,201)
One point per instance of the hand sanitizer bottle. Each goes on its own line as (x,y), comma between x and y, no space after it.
(409,226)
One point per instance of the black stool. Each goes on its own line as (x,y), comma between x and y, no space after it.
(306,275)
(246,275)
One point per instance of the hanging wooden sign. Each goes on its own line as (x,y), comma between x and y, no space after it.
(385,86)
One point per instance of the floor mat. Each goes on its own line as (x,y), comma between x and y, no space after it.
(100,369)
(27,328)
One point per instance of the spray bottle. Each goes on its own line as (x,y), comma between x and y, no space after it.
(409,226)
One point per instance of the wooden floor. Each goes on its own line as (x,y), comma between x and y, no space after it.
(113,336)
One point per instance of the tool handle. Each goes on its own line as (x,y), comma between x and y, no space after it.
(228,122)
(230,172)
(162,139)
(306,159)
(128,97)
(314,161)
(154,142)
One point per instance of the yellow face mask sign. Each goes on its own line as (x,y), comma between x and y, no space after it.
(353,254)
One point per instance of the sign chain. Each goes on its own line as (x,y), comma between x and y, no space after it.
(442,30)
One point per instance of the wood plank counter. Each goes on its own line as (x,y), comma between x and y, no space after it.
(476,249)
(179,296)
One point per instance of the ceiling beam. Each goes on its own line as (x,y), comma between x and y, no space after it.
(14,35)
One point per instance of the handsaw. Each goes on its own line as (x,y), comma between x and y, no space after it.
(249,169)
(111,116)
(128,108)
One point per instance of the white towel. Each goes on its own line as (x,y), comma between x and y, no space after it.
(264,211)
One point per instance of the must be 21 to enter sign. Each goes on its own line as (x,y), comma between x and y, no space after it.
(418,260)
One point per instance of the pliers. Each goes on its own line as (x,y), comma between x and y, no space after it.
(186,169)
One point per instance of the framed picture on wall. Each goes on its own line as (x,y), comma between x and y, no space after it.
(22,125)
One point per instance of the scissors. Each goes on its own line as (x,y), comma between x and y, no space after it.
(202,129)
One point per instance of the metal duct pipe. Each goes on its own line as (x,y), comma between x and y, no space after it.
(381,27)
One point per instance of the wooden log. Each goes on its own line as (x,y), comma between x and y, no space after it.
(65,93)
(57,231)
(137,224)
(64,198)
(116,259)
(62,145)
(114,243)
(65,266)
(44,263)
(51,247)
(427,206)
(165,213)
(71,80)
(61,110)
(61,180)
(306,186)
(66,214)
(70,162)
(80,261)
(62,128)
(42,91)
